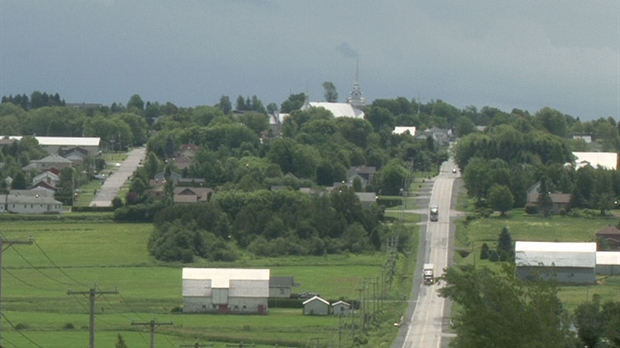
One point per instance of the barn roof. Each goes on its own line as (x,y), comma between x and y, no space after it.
(315,298)
(607,160)
(555,254)
(65,141)
(221,277)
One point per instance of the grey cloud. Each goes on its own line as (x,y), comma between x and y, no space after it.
(347,50)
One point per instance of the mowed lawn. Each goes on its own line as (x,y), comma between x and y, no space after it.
(535,228)
(45,286)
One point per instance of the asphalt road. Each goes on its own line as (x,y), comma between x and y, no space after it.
(427,317)
(114,182)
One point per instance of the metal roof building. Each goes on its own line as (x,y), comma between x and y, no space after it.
(52,144)
(225,290)
(566,262)
(607,160)
(608,262)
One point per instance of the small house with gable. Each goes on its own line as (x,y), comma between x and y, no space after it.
(316,306)
(281,287)
(341,309)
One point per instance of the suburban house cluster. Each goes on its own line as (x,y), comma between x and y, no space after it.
(39,198)
(245,291)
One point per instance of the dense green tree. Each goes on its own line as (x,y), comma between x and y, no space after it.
(294,102)
(500,310)
(391,178)
(330,94)
(500,198)
(257,122)
(552,120)
(19,182)
(380,117)
(598,322)
(225,104)
(477,178)
(135,102)
(464,126)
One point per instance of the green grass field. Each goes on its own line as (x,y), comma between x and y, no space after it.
(77,255)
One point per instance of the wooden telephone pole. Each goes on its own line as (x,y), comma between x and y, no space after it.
(92,296)
(5,244)
(152,325)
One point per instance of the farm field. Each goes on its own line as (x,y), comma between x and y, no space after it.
(76,256)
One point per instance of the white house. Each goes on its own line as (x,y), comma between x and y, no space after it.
(566,262)
(316,306)
(341,308)
(225,290)
(403,130)
(29,204)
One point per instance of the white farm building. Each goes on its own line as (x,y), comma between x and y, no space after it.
(566,262)
(225,290)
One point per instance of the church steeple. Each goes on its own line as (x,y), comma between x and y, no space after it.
(355,98)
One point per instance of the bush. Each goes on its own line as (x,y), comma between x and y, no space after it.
(21,326)
(493,256)
(68,326)
(531,209)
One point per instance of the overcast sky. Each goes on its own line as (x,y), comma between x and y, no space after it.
(524,54)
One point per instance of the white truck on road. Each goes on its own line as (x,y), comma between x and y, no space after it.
(429,276)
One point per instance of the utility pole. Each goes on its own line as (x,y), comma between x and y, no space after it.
(5,244)
(152,325)
(92,296)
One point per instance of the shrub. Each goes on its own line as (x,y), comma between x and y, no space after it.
(21,326)
(68,326)
(493,256)
(531,209)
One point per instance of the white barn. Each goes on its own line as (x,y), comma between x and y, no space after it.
(566,262)
(225,290)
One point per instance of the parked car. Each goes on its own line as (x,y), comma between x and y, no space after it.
(306,295)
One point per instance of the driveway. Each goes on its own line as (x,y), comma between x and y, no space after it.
(114,182)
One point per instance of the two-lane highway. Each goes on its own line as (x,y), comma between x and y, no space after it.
(424,327)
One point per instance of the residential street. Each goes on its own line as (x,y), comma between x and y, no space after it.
(113,184)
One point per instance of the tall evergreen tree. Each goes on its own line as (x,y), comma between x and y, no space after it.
(545,203)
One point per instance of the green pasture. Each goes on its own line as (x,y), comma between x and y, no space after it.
(76,256)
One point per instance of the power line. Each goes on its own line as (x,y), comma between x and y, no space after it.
(55,265)
(8,244)
(19,331)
